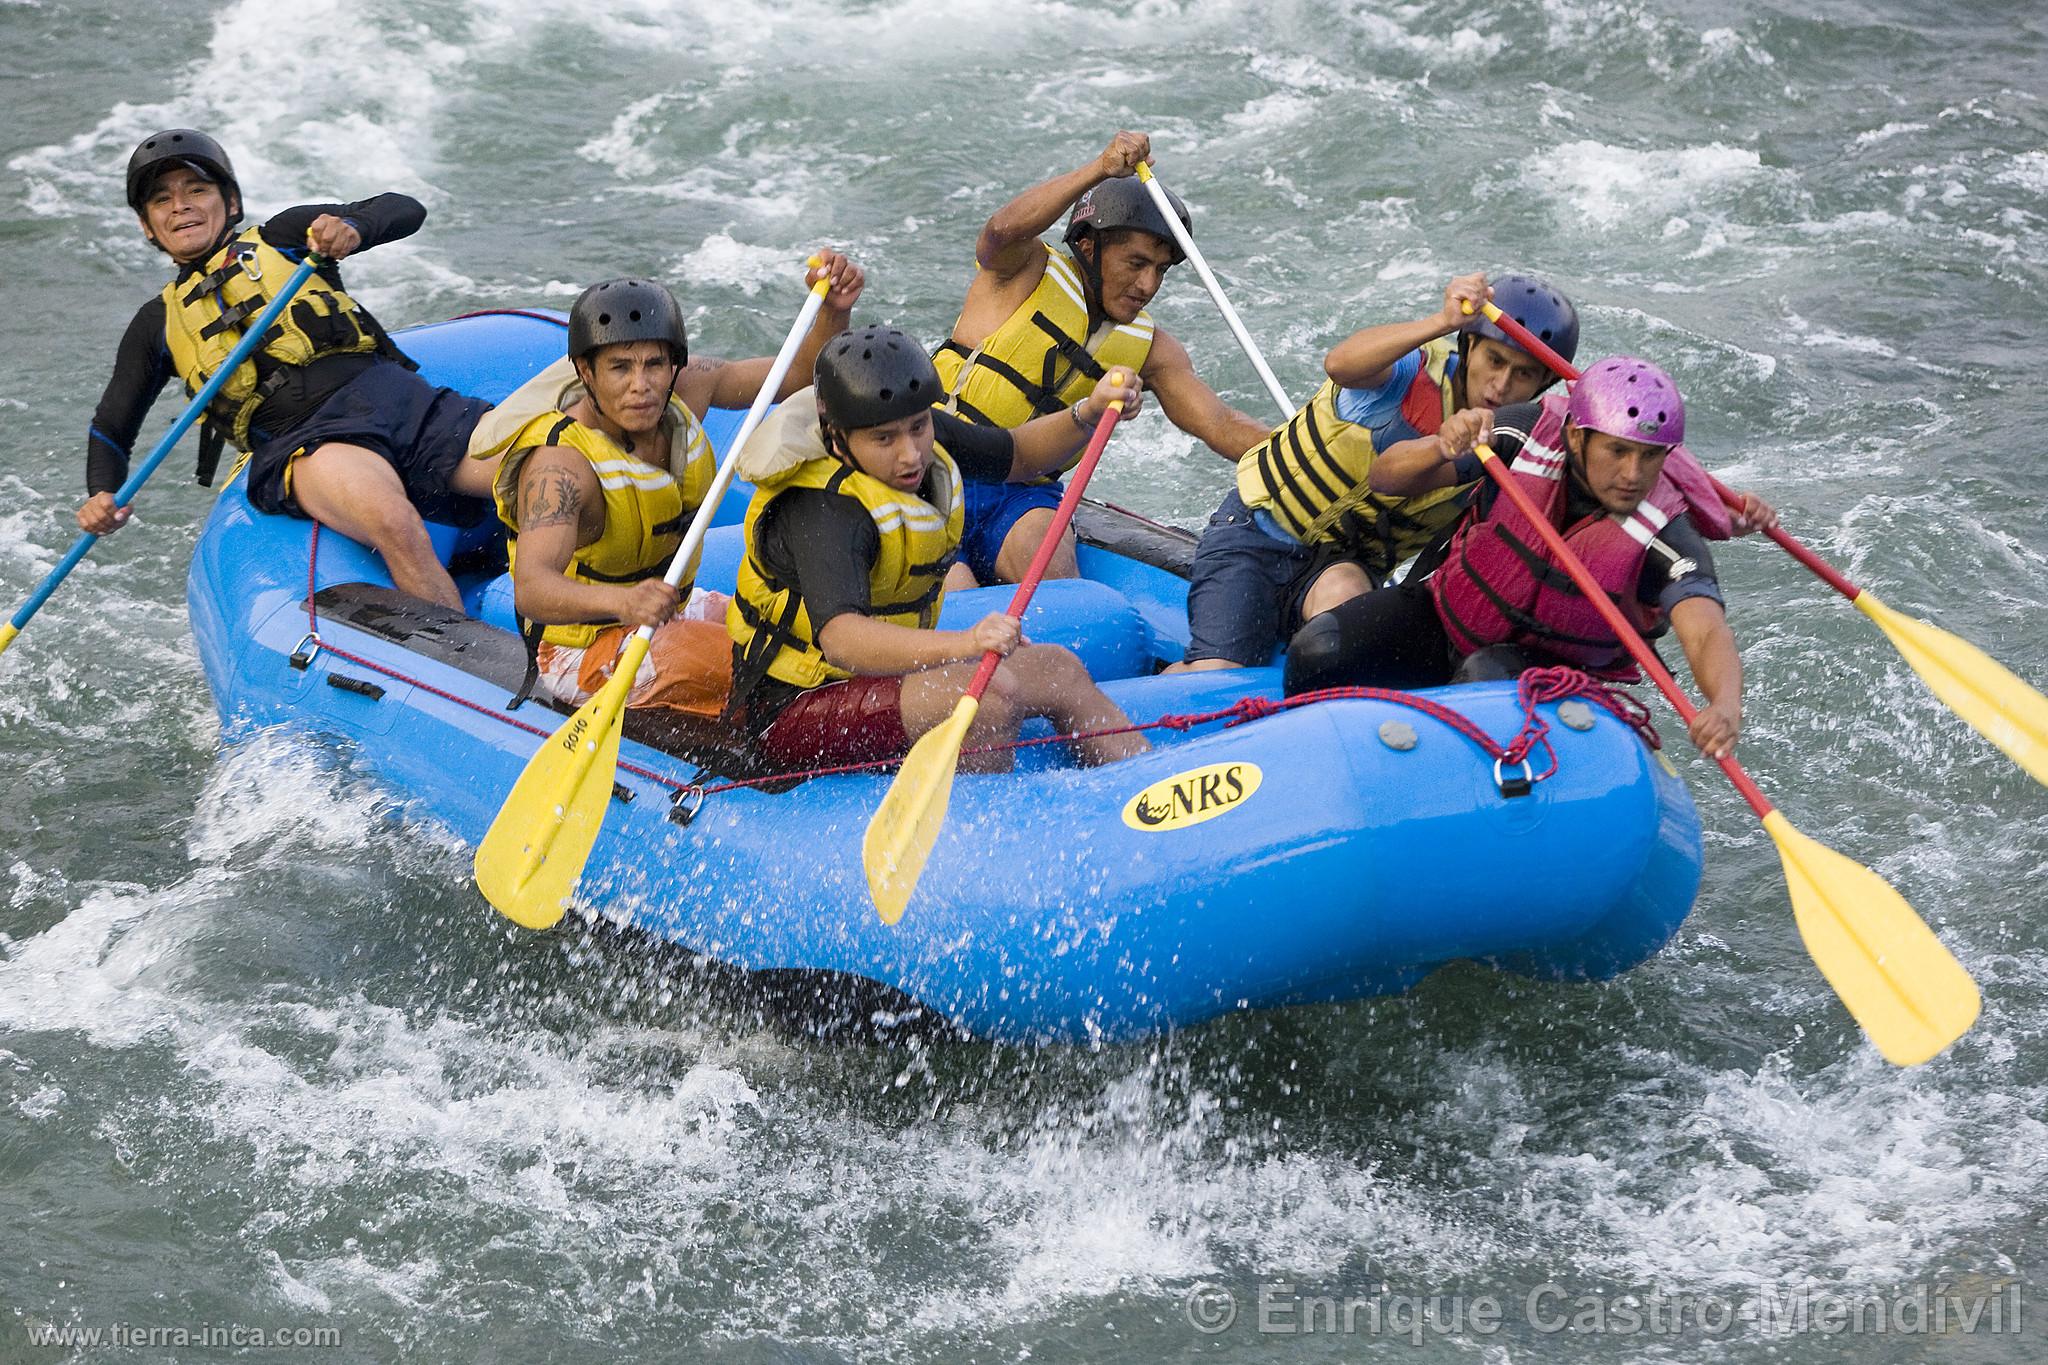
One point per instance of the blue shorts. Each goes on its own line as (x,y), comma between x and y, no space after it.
(1245,595)
(992,511)
(423,431)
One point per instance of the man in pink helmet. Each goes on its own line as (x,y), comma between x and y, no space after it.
(1601,467)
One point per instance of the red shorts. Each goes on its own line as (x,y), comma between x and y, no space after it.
(859,720)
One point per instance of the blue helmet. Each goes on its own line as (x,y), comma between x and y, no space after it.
(1539,308)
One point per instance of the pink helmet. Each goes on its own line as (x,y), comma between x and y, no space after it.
(1629,398)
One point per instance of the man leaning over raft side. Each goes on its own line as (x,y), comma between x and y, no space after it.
(338,426)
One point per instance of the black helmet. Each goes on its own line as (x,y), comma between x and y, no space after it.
(191,149)
(872,376)
(1125,203)
(1545,312)
(626,310)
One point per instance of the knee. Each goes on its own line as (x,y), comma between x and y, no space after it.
(1001,704)
(1495,663)
(1043,670)
(1318,656)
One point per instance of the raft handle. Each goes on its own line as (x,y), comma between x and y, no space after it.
(362,687)
(304,652)
(1512,787)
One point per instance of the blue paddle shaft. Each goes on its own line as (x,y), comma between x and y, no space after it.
(192,413)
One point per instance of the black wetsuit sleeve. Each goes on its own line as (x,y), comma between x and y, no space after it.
(826,545)
(1683,567)
(984,454)
(142,366)
(383,218)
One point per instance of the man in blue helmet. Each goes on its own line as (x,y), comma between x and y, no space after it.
(1040,326)
(1303,530)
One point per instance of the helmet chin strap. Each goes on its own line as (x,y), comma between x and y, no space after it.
(1091,278)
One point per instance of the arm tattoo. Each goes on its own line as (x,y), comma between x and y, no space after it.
(551,499)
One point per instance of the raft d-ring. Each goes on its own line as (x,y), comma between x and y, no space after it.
(304,652)
(684,805)
(1514,786)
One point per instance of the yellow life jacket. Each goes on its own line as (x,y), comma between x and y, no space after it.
(1043,358)
(1310,475)
(205,315)
(646,507)
(771,630)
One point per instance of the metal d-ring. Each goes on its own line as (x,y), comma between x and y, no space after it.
(684,805)
(304,652)
(1514,786)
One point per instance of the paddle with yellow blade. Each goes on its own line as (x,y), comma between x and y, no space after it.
(900,836)
(1988,696)
(1907,991)
(535,850)
(1188,249)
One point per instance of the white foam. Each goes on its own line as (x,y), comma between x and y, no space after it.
(1886,133)
(1605,186)
(2029,170)
(722,260)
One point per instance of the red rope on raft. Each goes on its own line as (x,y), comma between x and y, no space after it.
(1536,687)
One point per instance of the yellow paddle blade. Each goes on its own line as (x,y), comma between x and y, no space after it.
(529,861)
(1984,692)
(906,825)
(7,634)
(1907,991)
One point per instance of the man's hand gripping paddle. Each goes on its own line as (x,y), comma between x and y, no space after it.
(900,836)
(1907,991)
(530,859)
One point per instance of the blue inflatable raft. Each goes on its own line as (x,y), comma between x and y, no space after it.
(1326,852)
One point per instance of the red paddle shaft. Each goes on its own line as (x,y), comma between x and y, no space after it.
(1820,568)
(1076,481)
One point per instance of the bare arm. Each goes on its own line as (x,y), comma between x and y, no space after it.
(1044,445)
(707,383)
(1701,626)
(561,509)
(1193,406)
(861,644)
(1407,469)
(1365,359)
(1008,244)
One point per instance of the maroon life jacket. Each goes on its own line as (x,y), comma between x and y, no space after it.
(1499,584)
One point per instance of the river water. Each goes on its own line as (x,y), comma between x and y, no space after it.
(267,1061)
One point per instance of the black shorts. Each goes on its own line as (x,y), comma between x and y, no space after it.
(421,430)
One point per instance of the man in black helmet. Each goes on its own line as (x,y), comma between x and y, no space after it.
(601,463)
(855,520)
(1039,326)
(339,427)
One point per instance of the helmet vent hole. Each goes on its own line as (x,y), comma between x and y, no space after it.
(633,316)
(885,394)
(604,319)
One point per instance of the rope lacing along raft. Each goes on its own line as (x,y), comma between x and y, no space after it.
(1536,688)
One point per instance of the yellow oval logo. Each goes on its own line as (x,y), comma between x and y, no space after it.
(1191,797)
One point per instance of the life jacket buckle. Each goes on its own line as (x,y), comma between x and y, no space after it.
(684,805)
(1512,786)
